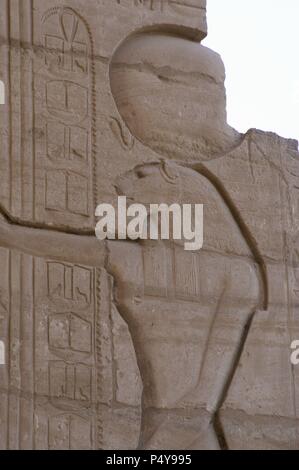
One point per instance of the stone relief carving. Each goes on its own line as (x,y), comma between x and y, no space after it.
(123,135)
(182,7)
(139,345)
(160,290)
(69,114)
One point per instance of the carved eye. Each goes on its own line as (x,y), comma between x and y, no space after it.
(145,171)
(141,174)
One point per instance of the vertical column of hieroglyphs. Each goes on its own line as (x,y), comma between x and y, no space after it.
(64,121)
(54,379)
(65,356)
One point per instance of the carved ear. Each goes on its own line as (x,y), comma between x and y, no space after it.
(169,172)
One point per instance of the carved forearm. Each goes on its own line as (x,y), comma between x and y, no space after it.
(46,243)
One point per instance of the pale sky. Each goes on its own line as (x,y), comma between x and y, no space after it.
(259,44)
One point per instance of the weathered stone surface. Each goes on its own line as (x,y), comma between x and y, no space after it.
(153,68)
(61,131)
(118,344)
(62,348)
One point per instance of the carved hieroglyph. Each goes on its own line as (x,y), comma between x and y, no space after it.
(53,128)
(52,322)
(122,345)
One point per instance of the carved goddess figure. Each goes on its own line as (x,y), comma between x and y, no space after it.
(188,313)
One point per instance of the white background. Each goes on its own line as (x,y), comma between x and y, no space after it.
(259,44)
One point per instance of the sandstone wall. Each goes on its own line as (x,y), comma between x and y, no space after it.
(117,345)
